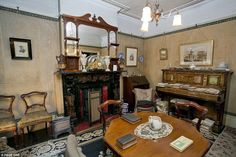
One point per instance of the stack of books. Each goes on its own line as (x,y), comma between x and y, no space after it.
(131,118)
(126,141)
(206,127)
(181,143)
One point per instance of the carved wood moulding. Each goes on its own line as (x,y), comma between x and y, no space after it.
(90,20)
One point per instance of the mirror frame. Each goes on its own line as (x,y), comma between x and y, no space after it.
(92,21)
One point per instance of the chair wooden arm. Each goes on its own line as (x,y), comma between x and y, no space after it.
(104,105)
(202,109)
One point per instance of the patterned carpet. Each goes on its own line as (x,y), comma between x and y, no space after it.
(225,144)
(52,148)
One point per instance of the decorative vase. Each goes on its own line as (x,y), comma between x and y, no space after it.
(107,62)
(61,61)
(192,66)
(83,61)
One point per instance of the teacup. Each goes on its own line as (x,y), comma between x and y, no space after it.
(155,122)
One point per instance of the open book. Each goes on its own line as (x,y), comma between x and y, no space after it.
(181,143)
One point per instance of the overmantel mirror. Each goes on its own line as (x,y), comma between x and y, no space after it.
(89,34)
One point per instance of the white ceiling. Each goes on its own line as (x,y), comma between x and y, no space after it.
(133,8)
(194,12)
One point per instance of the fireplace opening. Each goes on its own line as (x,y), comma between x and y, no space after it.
(85,107)
(83,92)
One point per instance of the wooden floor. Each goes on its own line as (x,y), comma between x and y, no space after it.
(41,136)
(31,139)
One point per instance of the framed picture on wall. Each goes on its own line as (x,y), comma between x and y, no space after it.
(199,53)
(20,48)
(163,54)
(131,56)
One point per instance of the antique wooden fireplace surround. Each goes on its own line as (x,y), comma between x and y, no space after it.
(77,86)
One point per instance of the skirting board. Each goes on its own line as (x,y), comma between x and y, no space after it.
(230,120)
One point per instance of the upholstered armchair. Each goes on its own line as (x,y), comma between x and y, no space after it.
(7,120)
(35,112)
(144,99)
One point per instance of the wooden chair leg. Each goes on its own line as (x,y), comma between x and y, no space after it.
(16,138)
(46,127)
(22,137)
(28,129)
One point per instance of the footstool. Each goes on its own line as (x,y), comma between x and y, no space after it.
(60,125)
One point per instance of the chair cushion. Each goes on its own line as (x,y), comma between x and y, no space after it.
(175,100)
(33,118)
(145,103)
(7,124)
(143,94)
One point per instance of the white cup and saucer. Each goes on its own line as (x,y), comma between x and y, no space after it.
(155,122)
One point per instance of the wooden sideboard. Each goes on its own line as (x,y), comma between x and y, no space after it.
(197,85)
(129,83)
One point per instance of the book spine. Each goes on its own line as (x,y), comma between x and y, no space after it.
(127,141)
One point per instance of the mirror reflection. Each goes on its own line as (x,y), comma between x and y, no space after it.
(70,30)
(71,49)
(93,40)
(90,41)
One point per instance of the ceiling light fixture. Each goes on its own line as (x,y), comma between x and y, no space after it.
(153,13)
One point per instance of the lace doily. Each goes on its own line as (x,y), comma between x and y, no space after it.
(145,132)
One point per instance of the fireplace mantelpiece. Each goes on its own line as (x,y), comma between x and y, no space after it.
(76,86)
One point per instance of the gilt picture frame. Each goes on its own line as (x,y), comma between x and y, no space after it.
(163,54)
(199,53)
(131,56)
(20,49)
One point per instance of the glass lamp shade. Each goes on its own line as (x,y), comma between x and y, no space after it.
(144,27)
(146,16)
(177,20)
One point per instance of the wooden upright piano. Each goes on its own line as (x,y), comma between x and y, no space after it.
(206,87)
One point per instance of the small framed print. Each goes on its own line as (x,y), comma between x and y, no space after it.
(131,56)
(163,54)
(20,48)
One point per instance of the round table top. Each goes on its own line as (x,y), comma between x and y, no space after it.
(158,147)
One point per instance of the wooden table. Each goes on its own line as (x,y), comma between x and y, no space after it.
(159,147)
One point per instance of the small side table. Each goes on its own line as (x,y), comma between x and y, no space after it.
(60,125)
